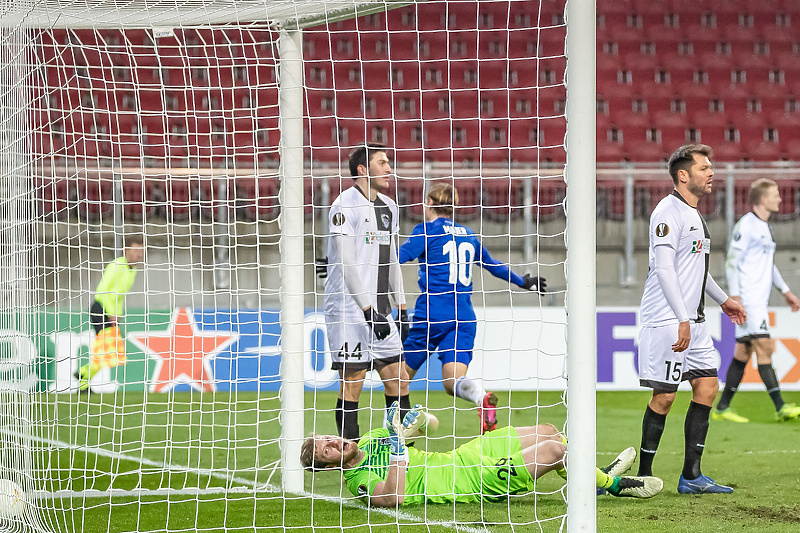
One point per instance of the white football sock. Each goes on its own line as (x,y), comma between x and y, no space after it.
(469,389)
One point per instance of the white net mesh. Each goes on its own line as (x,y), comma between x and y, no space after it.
(112,132)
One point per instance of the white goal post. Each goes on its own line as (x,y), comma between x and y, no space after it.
(70,243)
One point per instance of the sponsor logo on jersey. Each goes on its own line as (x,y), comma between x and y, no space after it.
(692,228)
(701,246)
(337,219)
(378,237)
(662,230)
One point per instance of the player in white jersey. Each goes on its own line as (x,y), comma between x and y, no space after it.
(363,277)
(674,344)
(751,275)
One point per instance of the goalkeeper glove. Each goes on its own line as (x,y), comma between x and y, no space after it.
(378,323)
(534,283)
(321,267)
(397,445)
(402,324)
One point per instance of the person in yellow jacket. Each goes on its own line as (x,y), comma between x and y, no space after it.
(108,347)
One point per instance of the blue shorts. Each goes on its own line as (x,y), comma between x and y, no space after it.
(453,340)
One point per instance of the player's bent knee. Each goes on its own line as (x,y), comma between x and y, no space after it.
(661,402)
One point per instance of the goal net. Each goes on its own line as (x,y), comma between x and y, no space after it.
(167,174)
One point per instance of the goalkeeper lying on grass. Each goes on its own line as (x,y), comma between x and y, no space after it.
(380,468)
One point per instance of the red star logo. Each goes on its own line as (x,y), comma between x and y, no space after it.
(182,352)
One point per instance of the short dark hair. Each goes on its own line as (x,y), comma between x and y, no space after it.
(361,155)
(134,240)
(683,158)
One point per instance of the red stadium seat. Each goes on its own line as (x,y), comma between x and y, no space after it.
(256,198)
(611,199)
(56,196)
(96,196)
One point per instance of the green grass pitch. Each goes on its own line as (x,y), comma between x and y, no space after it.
(222,440)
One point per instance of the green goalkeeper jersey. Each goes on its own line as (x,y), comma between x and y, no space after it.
(489,467)
(117,280)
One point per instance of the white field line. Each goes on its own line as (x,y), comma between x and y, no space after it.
(247,489)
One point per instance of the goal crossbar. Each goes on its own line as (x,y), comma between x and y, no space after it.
(168,13)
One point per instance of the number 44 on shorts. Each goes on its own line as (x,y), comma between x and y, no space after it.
(345,353)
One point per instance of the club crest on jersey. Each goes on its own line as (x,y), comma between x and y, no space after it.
(385,219)
(662,230)
(701,246)
(337,219)
(378,237)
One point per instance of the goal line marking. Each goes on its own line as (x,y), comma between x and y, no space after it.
(247,489)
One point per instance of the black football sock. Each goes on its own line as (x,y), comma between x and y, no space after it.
(733,378)
(350,422)
(652,429)
(405,405)
(695,430)
(338,414)
(770,380)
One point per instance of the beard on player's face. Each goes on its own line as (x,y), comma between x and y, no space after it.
(699,183)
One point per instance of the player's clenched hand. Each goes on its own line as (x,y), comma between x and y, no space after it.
(378,323)
(534,283)
(402,324)
(735,311)
(792,301)
(684,336)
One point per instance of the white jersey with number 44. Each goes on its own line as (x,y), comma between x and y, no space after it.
(676,224)
(371,227)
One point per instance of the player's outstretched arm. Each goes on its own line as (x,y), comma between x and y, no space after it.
(499,269)
(391,491)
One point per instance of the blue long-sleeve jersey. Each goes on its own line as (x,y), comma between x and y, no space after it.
(447,252)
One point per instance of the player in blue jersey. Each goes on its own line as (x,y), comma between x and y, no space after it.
(444,319)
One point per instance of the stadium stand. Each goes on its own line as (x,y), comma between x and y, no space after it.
(720,72)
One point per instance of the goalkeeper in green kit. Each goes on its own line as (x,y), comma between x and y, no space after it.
(380,469)
(108,346)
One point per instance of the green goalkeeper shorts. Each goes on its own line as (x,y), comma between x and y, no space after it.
(492,466)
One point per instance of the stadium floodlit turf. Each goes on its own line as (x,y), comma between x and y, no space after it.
(760,459)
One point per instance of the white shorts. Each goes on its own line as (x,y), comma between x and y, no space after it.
(353,343)
(757,325)
(663,369)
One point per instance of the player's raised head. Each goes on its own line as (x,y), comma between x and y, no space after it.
(761,189)
(362,156)
(442,199)
(321,452)
(684,158)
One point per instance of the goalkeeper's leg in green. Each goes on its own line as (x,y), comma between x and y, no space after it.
(543,453)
